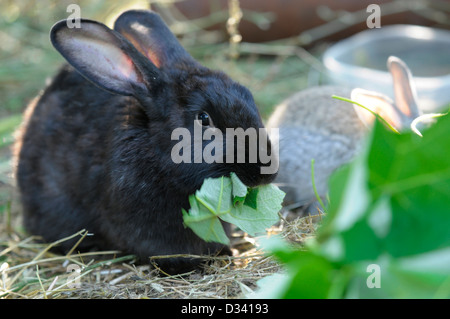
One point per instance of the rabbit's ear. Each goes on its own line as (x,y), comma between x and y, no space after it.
(404,89)
(103,56)
(377,103)
(151,36)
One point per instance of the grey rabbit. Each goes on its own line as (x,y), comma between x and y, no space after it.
(94,151)
(313,125)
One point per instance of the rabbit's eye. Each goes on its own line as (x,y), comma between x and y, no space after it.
(204,119)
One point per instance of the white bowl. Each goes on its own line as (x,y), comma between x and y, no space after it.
(360,61)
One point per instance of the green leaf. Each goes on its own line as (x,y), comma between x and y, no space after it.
(242,193)
(306,273)
(392,195)
(228,199)
(415,173)
(239,189)
(204,223)
(389,208)
(251,200)
(422,276)
(215,194)
(252,221)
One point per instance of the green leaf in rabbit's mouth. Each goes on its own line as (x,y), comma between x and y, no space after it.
(228,199)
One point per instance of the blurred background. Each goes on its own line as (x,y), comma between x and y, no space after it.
(274,48)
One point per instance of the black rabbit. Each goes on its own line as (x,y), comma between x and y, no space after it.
(95,148)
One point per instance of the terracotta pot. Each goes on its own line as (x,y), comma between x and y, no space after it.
(291,16)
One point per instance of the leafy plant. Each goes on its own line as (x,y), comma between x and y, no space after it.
(228,199)
(387,231)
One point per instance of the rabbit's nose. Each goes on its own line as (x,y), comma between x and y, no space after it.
(251,176)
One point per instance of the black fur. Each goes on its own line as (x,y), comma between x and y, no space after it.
(91,159)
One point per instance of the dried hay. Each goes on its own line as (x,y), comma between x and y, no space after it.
(29,269)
